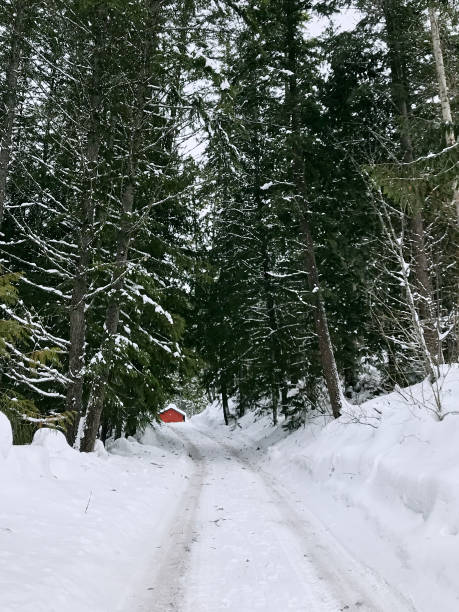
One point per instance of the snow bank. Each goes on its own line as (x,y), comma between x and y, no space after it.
(397,465)
(397,451)
(121,446)
(77,529)
(51,439)
(99,449)
(211,416)
(164,437)
(6,436)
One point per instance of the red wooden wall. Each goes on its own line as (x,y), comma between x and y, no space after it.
(171,416)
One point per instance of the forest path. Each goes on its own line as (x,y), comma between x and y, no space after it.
(239,541)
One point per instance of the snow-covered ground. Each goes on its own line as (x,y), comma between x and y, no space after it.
(77,530)
(359,514)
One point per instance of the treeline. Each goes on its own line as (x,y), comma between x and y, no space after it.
(333,184)
(203,189)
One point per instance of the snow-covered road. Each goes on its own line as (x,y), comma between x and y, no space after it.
(238,540)
(201,517)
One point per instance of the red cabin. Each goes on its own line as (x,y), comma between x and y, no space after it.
(172,414)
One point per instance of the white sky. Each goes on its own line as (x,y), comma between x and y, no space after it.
(345,20)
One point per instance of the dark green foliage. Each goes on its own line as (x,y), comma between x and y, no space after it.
(83,85)
(348,130)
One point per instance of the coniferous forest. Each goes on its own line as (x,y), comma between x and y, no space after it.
(206,198)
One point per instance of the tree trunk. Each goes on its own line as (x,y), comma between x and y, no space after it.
(424,283)
(77,335)
(327,355)
(10,99)
(77,313)
(447,117)
(98,391)
(400,96)
(275,403)
(397,248)
(224,391)
(275,349)
(105,429)
(97,396)
(441,76)
(284,400)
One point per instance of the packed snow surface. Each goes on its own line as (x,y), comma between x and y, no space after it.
(356,514)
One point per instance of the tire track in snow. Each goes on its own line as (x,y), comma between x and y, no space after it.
(352,585)
(168,590)
(173,554)
(258,520)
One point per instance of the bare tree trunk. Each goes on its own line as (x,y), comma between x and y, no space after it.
(447,117)
(10,99)
(441,76)
(417,335)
